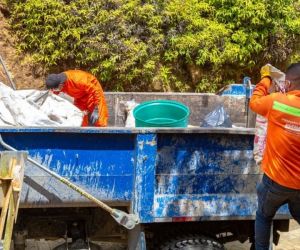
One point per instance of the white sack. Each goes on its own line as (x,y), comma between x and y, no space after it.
(18,108)
(261,124)
(62,111)
(129,107)
(6,119)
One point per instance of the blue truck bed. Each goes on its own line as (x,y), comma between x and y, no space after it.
(160,174)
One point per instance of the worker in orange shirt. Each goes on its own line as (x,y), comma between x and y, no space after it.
(281,161)
(87,93)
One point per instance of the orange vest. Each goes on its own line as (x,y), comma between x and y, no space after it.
(281,161)
(87,93)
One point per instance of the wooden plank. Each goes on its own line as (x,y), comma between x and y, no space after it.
(9,224)
(17,182)
(5,208)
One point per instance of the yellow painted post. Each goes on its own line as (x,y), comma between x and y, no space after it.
(11,179)
(9,224)
(5,208)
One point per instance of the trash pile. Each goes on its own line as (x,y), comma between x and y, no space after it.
(25,108)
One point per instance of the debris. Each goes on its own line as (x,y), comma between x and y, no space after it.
(17,108)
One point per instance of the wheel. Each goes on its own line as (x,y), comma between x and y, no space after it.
(191,242)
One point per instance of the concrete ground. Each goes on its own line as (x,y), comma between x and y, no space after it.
(288,240)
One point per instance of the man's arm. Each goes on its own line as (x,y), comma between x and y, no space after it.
(93,91)
(261,102)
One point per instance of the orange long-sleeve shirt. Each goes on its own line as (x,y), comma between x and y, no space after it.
(87,93)
(281,161)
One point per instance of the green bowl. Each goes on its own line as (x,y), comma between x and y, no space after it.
(161,113)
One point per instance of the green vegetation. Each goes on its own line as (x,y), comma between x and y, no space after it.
(140,45)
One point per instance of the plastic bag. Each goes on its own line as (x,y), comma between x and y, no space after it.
(129,107)
(260,138)
(278,78)
(217,118)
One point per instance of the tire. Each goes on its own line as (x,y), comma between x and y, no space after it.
(191,242)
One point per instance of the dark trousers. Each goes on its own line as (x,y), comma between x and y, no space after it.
(270,197)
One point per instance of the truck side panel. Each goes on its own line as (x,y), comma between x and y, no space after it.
(163,175)
(102,164)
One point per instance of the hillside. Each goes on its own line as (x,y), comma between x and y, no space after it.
(23,73)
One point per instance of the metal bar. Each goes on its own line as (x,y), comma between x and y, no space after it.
(7,74)
(132,131)
(247,111)
(137,239)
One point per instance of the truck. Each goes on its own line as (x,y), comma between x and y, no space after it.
(190,188)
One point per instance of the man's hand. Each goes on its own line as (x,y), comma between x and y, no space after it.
(94,116)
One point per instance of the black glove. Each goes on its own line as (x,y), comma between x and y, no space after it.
(94,116)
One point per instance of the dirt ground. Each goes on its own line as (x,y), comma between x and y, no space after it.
(21,68)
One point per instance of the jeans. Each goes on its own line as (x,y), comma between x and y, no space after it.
(270,197)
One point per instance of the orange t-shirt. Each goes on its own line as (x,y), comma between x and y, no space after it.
(281,161)
(87,93)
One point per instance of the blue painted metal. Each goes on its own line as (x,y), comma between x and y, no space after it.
(236,90)
(144,184)
(164,174)
(206,175)
(249,87)
(100,163)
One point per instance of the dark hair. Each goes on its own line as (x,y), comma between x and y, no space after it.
(293,73)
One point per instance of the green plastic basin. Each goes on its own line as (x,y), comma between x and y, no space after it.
(161,113)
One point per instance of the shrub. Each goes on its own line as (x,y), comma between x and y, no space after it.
(138,45)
